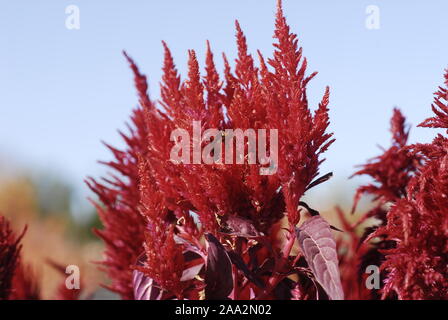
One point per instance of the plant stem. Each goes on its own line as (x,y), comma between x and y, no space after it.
(276,278)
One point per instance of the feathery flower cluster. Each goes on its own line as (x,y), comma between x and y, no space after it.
(124,226)
(182,230)
(176,230)
(413,181)
(161,218)
(9,257)
(17,280)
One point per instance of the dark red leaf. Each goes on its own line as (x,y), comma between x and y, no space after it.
(218,273)
(320,180)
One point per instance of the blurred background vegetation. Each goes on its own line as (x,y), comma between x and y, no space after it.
(42,201)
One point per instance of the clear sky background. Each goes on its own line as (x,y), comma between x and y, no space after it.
(63,91)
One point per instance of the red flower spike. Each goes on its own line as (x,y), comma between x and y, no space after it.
(124,227)
(9,257)
(392,170)
(413,250)
(440,108)
(163,209)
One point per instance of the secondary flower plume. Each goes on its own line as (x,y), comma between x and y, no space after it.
(9,257)
(411,188)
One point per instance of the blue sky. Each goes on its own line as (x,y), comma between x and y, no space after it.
(63,91)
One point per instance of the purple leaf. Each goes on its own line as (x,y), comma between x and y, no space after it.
(319,248)
(194,264)
(240,227)
(188,246)
(190,273)
(218,272)
(145,288)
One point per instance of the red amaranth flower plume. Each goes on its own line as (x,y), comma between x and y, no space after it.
(391,173)
(124,227)
(413,249)
(392,170)
(161,210)
(303,137)
(25,286)
(440,108)
(418,223)
(17,280)
(9,257)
